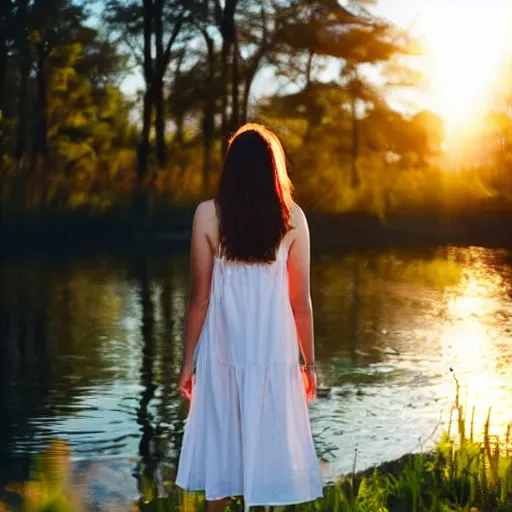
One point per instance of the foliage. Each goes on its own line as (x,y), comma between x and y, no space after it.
(70,139)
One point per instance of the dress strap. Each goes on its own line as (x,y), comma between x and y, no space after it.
(282,250)
(218,251)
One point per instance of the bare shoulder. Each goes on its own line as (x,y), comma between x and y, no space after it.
(205,215)
(205,220)
(299,220)
(300,230)
(206,210)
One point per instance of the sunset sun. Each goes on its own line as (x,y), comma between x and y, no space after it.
(463,62)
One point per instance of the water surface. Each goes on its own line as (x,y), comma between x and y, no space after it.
(90,350)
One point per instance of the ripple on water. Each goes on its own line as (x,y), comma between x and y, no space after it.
(81,364)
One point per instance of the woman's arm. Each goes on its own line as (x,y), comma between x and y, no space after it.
(201,268)
(299,281)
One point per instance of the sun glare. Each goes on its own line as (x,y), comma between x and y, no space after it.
(465,50)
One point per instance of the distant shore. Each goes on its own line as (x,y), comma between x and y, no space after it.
(329,233)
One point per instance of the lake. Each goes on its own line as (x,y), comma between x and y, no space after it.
(90,350)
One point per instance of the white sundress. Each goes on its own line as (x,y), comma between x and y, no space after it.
(248,432)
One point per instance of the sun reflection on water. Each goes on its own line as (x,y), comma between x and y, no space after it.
(471,339)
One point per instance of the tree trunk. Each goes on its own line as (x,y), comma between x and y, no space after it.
(224,88)
(5,21)
(309,70)
(227,28)
(244,112)
(22,44)
(251,68)
(140,199)
(21,139)
(248,80)
(143,150)
(40,139)
(179,120)
(209,115)
(235,85)
(158,85)
(161,148)
(354,176)
(309,124)
(3,82)
(3,69)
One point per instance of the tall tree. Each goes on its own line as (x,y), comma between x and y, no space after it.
(5,19)
(209,111)
(24,58)
(203,19)
(353,37)
(258,33)
(225,20)
(159,23)
(175,18)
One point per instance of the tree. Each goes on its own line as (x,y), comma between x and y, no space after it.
(202,19)
(150,30)
(325,29)
(55,22)
(5,17)
(24,58)
(156,21)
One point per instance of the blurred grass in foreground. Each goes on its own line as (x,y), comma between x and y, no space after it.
(462,474)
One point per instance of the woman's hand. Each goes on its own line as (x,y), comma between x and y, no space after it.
(185,383)
(309,377)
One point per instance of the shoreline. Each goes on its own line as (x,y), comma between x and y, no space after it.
(114,482)
(342,233)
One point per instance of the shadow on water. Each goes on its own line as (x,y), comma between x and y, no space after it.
(26,366)
(162,426)
(148,456)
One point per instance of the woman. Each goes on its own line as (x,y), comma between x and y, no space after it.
(249,315)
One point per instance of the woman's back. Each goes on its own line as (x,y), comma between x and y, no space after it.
(250,307)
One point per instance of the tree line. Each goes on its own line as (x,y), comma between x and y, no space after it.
(70,137)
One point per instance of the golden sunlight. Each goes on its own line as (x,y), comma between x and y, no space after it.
(464,54)
(473,353)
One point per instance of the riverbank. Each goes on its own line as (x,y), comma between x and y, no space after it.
(453,477)
(462,472)
(468,476)
(79,231)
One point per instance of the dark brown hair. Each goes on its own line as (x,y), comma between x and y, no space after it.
(255,196)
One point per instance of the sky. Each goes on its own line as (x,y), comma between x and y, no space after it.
(468,44)
(435,12)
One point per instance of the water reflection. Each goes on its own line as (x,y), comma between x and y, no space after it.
(477,336)
(148,454)
(90,350)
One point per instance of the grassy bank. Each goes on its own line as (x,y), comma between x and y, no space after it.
(462,474)
(456,477)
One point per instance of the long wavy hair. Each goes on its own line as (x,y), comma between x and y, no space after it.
(255,196)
